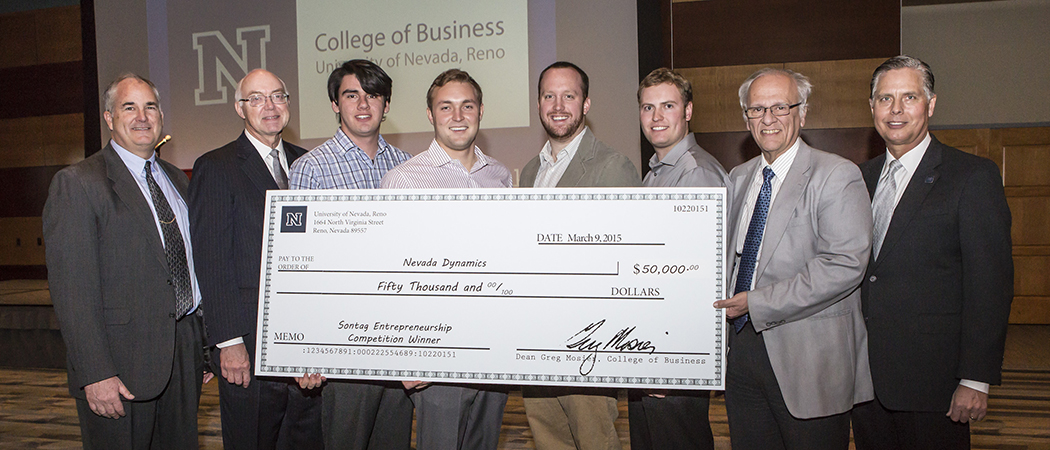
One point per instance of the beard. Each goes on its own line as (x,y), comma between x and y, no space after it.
(568,130)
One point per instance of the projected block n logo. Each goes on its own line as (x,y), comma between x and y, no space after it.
(220,65)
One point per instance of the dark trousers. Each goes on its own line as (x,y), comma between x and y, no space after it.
(677,421)
(271,413)
(878,428)
(758,417)
(168,421)
(366,415)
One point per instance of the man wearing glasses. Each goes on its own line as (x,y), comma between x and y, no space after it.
(800,226)
(227,197)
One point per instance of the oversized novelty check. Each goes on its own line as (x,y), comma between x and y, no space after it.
(578,287)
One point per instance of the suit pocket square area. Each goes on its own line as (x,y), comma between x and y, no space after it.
(117,316)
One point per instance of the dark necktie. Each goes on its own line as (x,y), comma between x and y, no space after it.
(174,247)
(752,242)
(278,170)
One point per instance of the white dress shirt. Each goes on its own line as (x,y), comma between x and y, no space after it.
(780,168)
(550,171)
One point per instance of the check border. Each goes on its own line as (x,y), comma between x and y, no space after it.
(273,227)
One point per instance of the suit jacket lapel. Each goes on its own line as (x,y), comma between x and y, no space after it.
(127,189)
(293,152)
(253,165)
(871,175)
(576,170)
(783,206)
(919,186)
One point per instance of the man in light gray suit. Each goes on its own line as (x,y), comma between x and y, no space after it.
(800,226)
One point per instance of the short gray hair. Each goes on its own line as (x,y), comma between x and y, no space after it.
(905,62)
(108,97)
(802,84)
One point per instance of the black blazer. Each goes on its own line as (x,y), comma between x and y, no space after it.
(227,201)
(109,277)
(937,300)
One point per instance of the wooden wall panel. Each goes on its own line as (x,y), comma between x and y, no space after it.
(1026,165)
(729,33)
(42,90)
(839,98)
(1030,310)
(716,105)
(840,92)
(21,241)
(1031,221)
(42,140)
(1024,155)
(58,35)
(1030,276)
(40,36)
(23,190)
(974,141)
(42,122)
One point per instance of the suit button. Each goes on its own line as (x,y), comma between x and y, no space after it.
(873,278)
(172,315)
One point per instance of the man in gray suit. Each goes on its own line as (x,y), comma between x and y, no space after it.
(121,273)
(800,227)
(571,418)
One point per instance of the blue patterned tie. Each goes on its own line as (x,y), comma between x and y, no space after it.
(755,229)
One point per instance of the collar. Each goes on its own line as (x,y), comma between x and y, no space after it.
(782,164)
(134,162)
(263,149)
(911,159)
(566,153)
(438,157)
(347,144)
(677,152)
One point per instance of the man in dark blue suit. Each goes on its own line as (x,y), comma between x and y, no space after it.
(227,201)
(937,292)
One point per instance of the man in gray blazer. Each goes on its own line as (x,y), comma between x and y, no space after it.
(120,269)
(800,227)
(571,418)
(572,155)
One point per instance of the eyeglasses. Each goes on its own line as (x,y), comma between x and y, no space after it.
(256,100)
(756,112)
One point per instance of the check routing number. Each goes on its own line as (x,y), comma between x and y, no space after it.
(606,287)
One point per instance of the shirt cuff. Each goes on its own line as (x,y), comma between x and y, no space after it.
(975,385)
(240,340)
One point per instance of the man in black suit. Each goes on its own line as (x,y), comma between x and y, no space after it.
(227,201)
(937,292)
(122,282)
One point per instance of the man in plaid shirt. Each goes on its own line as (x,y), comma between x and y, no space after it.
(357,415)
(357,156)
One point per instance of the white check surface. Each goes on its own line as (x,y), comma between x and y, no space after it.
(581,287)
